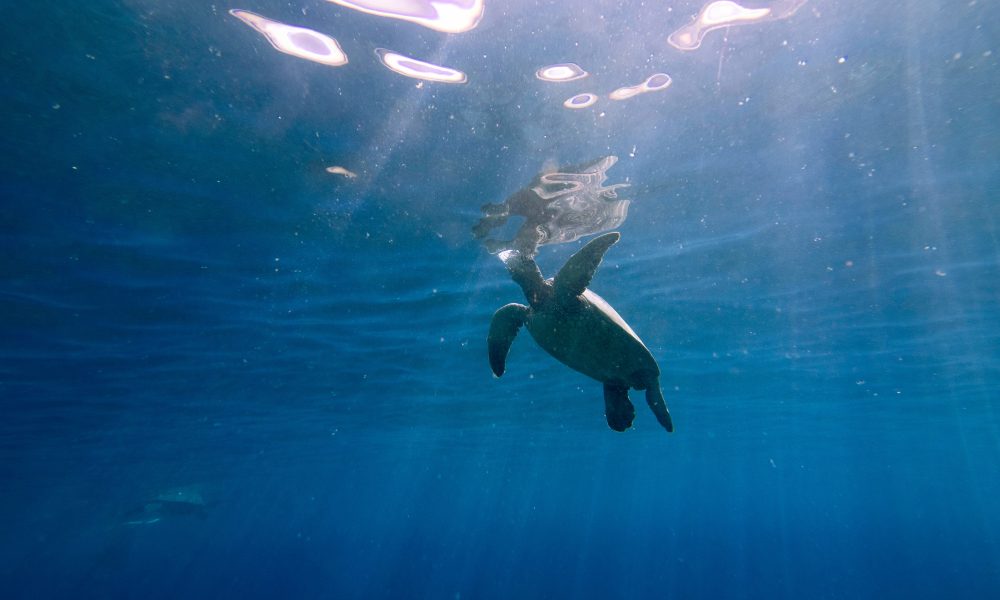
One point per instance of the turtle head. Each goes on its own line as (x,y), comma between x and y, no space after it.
(526,274)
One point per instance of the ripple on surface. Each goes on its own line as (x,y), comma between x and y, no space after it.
(449,16)
(581,100)
(297,41)
(561,72)
(723,13)
(418,69)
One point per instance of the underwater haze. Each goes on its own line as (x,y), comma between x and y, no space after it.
(246,291)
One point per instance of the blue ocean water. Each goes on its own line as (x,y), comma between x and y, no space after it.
(193,309)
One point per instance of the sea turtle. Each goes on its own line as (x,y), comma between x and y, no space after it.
(581,330)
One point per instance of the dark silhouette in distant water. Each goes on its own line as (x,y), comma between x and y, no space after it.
(179,502)
(558,207)
(581,330)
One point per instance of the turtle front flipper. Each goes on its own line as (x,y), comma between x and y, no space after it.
(654,398)
(575,276)
(503,330)
(617,407)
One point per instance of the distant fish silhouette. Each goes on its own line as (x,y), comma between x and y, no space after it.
(178,502)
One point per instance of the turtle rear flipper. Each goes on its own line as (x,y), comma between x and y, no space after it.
(617,407)
(654,398)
